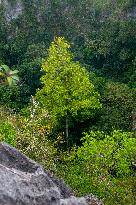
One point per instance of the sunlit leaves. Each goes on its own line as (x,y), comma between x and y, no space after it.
(66,85)
(103,165)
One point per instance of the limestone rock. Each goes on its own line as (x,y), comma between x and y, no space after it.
(24,182)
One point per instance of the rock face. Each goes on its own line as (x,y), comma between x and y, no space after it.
(15,8)
(12,9)
(24,182)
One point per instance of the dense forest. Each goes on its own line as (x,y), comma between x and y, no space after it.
(68,91)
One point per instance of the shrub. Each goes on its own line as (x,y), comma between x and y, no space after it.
(32,136)
(103,166)
(7,133)
(28,133)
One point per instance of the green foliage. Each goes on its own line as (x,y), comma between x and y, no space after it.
(130,75)
(8,76)
(32,136)
(7,128)
(32,140)
(8,85)
(65,82)
(28,132)
(118,104)
(103,166)
(102,35)
(67,91)
(29,75)
(7,133)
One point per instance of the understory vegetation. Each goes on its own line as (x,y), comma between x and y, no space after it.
(68,91)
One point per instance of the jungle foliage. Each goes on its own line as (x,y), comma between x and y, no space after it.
(68,68)
(104,165)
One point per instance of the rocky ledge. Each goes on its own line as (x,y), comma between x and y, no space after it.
(24,182)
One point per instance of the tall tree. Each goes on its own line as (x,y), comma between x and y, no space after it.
(67,91)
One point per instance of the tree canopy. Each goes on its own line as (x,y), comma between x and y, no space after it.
(67,90)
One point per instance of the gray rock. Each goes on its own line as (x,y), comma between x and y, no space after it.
(24,182)
(12,9)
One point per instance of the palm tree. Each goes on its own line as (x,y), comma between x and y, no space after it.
(8,76)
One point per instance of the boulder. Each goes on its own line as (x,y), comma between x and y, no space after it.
(25,182)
